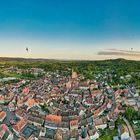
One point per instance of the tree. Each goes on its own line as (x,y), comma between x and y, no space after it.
(131,113)
(119,121)
(84,133)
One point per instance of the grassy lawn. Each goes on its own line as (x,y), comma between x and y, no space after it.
(106,138)
(20,76)
(7,74)
(109,134)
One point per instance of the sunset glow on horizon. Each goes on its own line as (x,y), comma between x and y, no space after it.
(85,30)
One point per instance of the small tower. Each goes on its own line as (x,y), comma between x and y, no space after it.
(74,75)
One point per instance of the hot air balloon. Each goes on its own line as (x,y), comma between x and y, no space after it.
(27,49)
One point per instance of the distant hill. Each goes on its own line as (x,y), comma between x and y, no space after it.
(24,59)
(43,59)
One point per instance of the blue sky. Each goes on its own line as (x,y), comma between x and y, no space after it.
(68,28)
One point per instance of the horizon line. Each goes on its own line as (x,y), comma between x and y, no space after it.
(57,59)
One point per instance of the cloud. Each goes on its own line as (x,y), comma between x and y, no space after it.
(125,51)
(117,52)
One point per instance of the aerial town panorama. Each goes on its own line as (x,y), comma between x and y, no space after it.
(69,69)
(69,100)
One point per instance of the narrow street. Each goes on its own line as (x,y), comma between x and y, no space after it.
(130,129)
